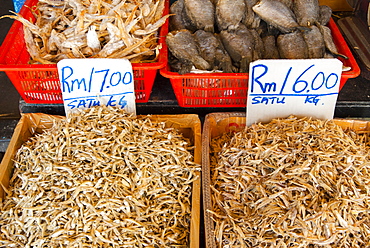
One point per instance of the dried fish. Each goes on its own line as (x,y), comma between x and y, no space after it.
(329,42)
(179,20)
(315,43)
(249,29)
(239,44)
(184,47)
(229,14)
(292,46)
(270,48)
(201,13)
(324,14)
(212,50)
(93,29)
(251,19)
(293,182)
(223,59)
(103,178)
(259,48)
(278,15)
(306,11)
(288,3)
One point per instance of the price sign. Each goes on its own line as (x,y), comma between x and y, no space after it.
(96,82)
(279,88)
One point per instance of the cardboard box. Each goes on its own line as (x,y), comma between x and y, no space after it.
(218,123)
(188,124)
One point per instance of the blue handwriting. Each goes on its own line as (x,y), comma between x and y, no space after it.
(298,86)
(89,101)
(104,78)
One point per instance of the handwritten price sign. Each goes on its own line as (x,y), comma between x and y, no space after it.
(95,82)
(279,88)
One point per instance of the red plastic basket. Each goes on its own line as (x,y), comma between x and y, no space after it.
(40,84)
(231,89)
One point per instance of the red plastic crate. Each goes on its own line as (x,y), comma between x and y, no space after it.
(40,84)
(231,89)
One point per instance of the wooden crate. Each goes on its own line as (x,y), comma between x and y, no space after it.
(216,124)
(187,124)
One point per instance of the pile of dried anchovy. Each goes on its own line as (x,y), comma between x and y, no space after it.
(93,29)
(102,179)
(291,183)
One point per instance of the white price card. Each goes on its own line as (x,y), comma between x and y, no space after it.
(96,82)
(283,87)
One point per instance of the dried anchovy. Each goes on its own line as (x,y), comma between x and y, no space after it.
(102,179)
(294,182)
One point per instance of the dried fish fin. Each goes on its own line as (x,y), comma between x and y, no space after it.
(251,19)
